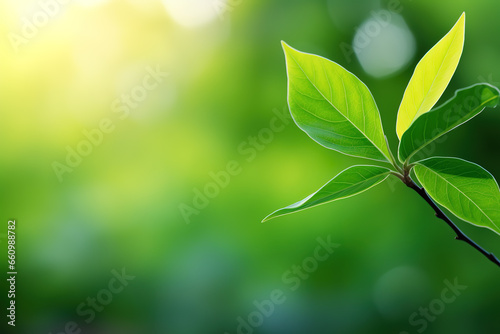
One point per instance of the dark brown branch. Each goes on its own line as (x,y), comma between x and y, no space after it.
(441,215)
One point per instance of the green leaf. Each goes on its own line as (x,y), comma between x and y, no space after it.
(466,104)
(431,77)
(347,183)
(333,106)
(464,188)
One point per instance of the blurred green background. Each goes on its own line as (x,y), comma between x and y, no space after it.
(220,81)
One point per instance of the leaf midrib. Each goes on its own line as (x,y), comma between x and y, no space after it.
(330,102)
(381,175)
(448,130)
(434,79)
(477,206)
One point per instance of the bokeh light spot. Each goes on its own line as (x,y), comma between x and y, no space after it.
(400,291)
(384,44)
(192,13)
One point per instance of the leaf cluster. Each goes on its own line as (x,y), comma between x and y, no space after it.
(337,110)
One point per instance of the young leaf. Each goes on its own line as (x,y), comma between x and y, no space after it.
(333,106)
(431,77)
(347,183)
(466,104)
(464,188)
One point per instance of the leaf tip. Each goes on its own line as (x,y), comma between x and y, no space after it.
(286,48)
(267,218)
(461,22)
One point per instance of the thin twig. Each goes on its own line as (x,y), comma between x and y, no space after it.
(441,215)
